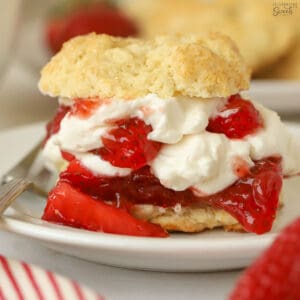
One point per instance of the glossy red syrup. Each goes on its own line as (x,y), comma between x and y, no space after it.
(252,199)
(84,108)
(138,187)
(127,146)
(54,125)
(236,119)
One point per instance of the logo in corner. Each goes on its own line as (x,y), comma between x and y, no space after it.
(284,7)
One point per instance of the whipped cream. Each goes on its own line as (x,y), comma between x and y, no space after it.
(52,155)
(100,166)
(205,161)
(275,139)
(191,157)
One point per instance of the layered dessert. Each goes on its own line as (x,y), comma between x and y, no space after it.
(154,135)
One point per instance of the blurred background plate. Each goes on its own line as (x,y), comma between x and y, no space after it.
(280,95)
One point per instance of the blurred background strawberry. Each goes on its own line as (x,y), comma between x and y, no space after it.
(72,18)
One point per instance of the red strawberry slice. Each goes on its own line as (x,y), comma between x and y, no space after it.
(275,275)
(237,119)
(97,17)
(54,125)
(127,146)
(68,206)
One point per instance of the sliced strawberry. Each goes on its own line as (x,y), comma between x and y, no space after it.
(96,17)
(237,119)
(84,108)
(275,275)
(127,145)
(68,206)
(54,125)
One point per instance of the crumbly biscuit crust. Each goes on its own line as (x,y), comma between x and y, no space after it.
(103,66)
(187,219)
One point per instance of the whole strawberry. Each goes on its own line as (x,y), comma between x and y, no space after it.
(85,18)
(276,274)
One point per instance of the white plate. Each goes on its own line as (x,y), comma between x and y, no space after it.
(211,250)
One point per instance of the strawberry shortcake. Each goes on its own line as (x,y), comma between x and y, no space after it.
(153,136)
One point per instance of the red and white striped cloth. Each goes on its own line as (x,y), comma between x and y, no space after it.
(21,281)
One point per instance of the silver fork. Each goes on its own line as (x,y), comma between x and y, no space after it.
(29,173)
(10,191)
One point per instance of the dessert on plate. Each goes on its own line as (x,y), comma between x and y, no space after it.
(153,136)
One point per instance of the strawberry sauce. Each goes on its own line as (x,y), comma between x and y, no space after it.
(236,119)
(252,199)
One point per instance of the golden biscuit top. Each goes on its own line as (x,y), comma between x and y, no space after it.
(103,66)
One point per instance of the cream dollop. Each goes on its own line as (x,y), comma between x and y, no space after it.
(275,139)
(205,161)
(52,155)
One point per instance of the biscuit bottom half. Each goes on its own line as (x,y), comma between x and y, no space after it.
(187,219)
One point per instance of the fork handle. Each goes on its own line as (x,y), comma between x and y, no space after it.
(10,191)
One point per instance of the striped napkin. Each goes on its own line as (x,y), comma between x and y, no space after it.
(21,281)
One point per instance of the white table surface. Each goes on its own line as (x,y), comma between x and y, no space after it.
(22,104)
